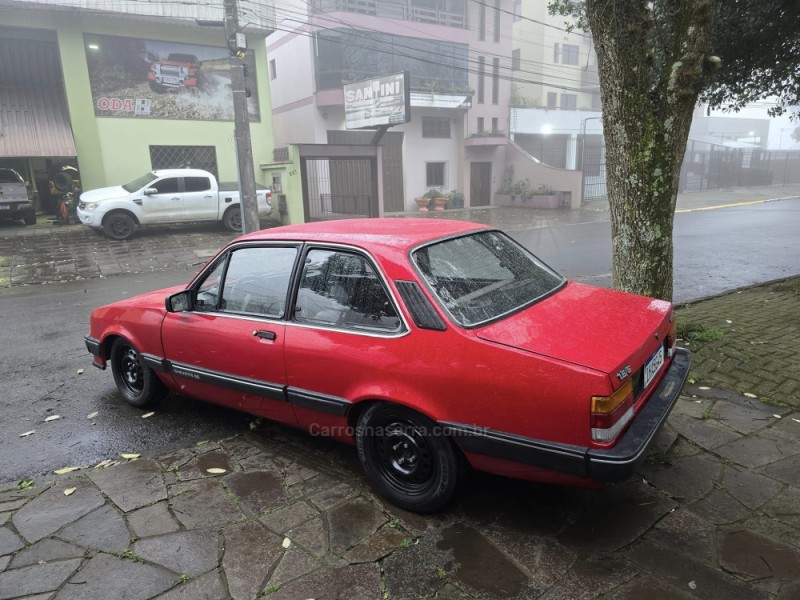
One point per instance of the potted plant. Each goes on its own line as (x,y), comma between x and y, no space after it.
(456,199)
(437,199)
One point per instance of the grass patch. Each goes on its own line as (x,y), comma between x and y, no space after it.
(129,554)
(792,286)
(22,485)
(694,332)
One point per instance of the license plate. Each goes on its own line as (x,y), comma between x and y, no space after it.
(653,365)
(172,80)
(5,206)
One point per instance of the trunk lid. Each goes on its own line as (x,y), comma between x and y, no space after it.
(589,326)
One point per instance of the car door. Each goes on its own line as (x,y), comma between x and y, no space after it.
(230,348)
(199,199)
(166,204)
(345,328)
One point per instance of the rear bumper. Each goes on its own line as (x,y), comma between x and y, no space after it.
(615,464)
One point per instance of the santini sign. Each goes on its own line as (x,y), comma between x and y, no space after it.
(377,102)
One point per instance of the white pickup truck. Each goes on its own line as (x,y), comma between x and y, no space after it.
(166,196)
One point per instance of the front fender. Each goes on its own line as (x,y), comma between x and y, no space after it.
(121,204)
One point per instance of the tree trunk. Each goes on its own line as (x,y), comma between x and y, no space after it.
(652,58)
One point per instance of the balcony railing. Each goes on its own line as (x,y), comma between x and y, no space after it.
(402,10)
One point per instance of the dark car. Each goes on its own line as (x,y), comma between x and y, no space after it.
(16,197)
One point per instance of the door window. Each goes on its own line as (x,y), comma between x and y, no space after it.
(341,289)
(257,281)
(166,186)
(208,292)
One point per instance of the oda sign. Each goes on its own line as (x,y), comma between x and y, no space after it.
(377,102)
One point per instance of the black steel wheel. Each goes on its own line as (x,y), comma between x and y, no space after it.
(406,457)
(137,382)
(233,219)
(119,226)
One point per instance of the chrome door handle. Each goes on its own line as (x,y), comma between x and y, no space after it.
(265,335)
(176,198)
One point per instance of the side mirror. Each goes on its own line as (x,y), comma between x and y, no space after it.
(180,302)
(150,192)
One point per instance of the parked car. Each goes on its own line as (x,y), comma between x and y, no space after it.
(166,196)
(178,71)
(16,198)
(429,344)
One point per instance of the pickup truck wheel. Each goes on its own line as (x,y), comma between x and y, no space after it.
(29,218)
(118,226)
(137,382)
(233,219)
(157,87)
(406,457)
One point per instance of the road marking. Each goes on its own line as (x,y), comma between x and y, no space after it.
(686,210)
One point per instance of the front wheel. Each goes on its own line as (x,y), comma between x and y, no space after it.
(119,226)
(233,219)
(137,382)
(407,459)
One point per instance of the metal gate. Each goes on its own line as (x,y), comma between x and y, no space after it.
(339,188)
(593,167)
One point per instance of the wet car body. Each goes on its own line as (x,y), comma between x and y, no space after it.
(430,344)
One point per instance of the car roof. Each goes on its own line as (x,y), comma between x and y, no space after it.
(180,173)
(398,234)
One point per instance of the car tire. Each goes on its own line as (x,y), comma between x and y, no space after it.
(29,218)
(137,382)
(157,87)
(119,226)
(406,459)
(233,219)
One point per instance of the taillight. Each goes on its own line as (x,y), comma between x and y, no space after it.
(672,335)
(610,414)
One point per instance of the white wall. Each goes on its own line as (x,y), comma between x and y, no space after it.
(541,121)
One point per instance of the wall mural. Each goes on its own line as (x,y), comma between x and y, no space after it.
(136,78)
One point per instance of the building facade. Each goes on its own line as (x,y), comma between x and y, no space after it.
(114,94)
(458,56)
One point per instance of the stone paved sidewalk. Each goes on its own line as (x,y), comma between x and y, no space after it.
(714,512)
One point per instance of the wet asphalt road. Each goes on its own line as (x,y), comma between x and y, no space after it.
(715,250)
(41,352)
(41,341)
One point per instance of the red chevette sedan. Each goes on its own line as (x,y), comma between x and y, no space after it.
(429,344)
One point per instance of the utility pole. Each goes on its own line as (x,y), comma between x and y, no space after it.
(244,149)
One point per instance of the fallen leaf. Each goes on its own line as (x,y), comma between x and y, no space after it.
(704,387)
(102,464)
(80,371)
(130,456)
(287,542)
(92,415)
(69,491)
(201,443)
(728,321)
(65,470)
(693,585)
(795,420)
(52,418)
(27,433)
(216,471)
(691,380)
(150,414)
(749,395)
(777,416)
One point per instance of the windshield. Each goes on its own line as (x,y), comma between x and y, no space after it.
(139,182)
(483,276)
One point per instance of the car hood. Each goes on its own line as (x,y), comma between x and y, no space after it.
(150,299)
(593,327)
(107,193)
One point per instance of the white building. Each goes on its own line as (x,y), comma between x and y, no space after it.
(458,55)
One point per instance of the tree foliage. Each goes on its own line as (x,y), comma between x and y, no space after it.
(758,42)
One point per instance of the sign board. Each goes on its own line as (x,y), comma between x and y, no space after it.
(377,102)
(428,100)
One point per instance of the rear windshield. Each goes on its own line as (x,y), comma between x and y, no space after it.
(483,276)
(9,176)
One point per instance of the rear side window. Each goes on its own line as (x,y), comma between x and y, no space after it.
(196,184)
(341,289)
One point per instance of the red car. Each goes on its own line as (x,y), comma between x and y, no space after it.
(429,344)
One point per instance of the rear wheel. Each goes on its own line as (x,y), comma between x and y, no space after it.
(407,459)
(233,219)
(137,382)
(119,226)
(29,218)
